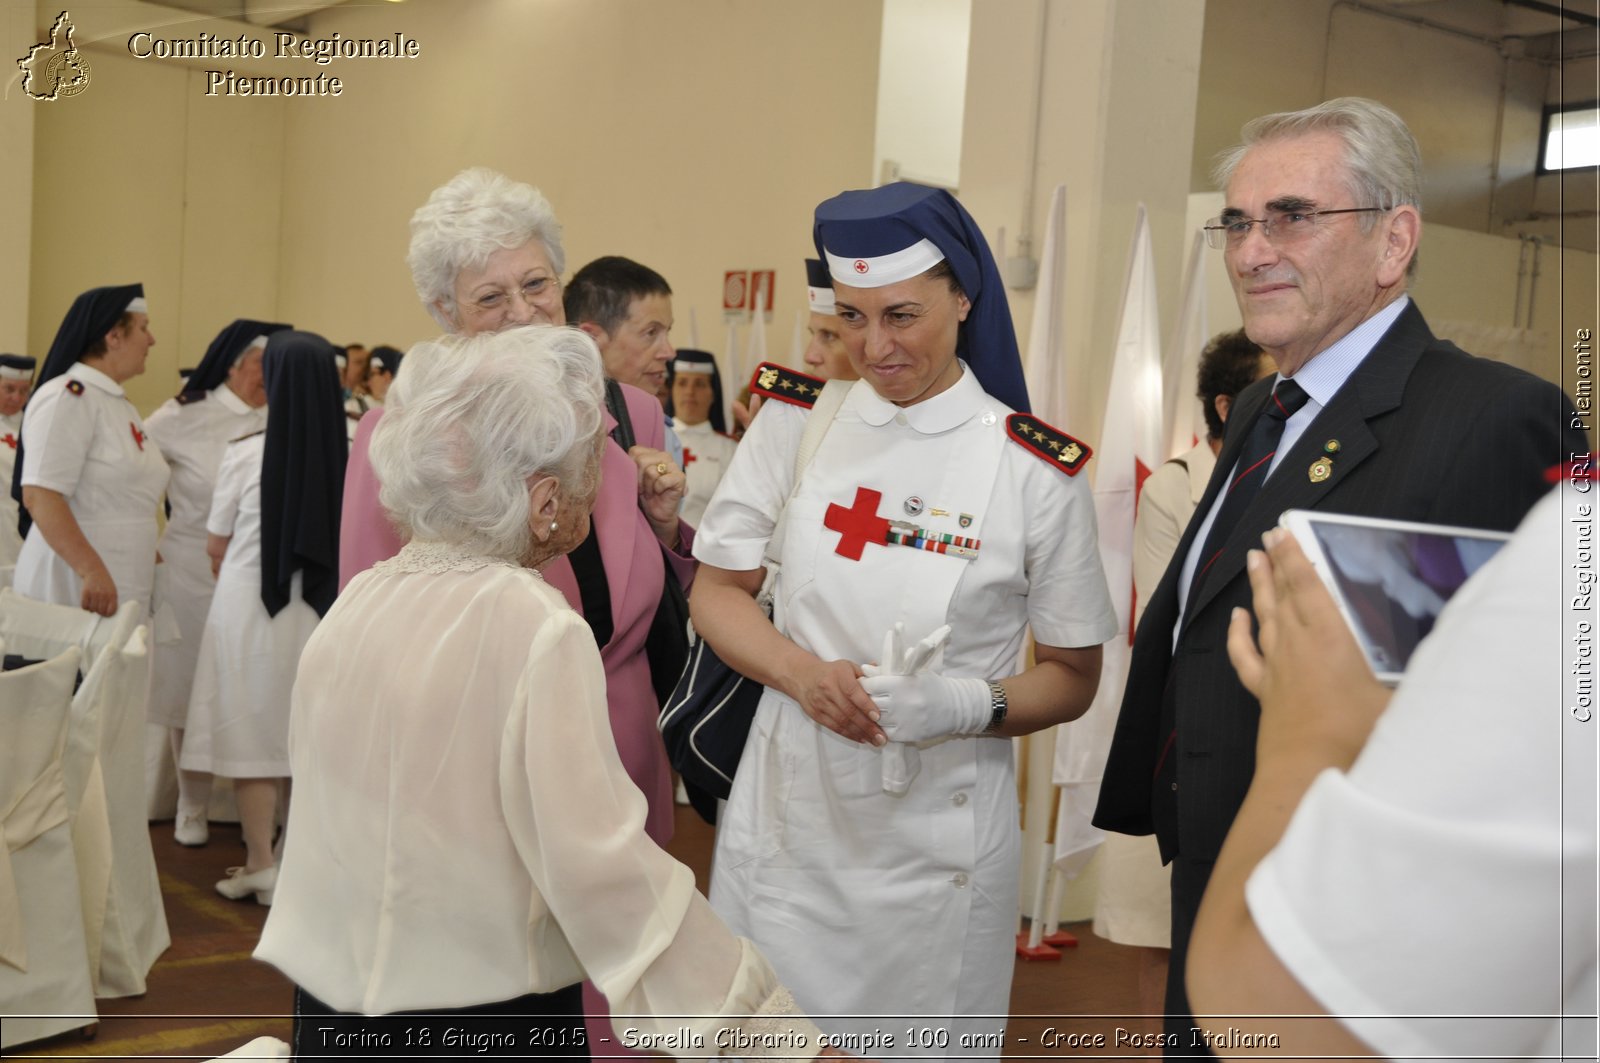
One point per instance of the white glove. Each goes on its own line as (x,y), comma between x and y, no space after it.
(915,708)
(901,762)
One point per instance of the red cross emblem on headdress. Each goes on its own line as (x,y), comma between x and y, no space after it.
(858,525)
(861,265)
(9,440)
(138,436)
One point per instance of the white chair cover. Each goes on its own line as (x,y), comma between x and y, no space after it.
(45,987)
(260,1048)
(123,915)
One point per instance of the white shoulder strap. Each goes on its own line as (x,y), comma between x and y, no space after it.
(823,412)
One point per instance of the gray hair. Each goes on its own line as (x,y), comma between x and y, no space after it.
(467,219)
(1380,153)
(470,421)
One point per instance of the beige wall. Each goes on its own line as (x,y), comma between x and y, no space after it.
(17,34)
(693,136)
(1269,55)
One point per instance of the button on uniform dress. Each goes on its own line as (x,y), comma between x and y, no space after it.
(869,903)
(86,441)
(193,431)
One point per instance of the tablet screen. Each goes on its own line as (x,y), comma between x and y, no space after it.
(1394,581)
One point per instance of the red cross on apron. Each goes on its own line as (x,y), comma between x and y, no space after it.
(138,436)
(9,440)
(858,525)
(688,457)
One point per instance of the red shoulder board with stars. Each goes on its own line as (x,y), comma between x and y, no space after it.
(1053,445)
(779,382)
(75,387)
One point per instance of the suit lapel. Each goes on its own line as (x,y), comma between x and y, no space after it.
(1375,388)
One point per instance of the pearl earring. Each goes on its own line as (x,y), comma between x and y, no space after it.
(552,526)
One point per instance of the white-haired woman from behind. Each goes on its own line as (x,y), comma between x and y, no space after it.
(466,842)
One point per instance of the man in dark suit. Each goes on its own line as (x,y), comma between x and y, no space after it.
(1369,414)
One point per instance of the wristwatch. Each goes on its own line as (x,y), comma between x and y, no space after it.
(997,709)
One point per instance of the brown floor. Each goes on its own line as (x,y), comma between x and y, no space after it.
(206,996)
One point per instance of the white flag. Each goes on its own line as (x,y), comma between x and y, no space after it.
(798,342)
(693,340)
(1130,449)
(1182,414)
(1045,363)
(737,376)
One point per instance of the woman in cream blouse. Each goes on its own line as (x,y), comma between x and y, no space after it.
(464,840)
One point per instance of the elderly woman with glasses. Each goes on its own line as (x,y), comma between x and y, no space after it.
(485,256)
(465,842)
(874,815)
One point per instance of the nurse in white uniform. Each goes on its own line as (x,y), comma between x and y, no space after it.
(223,399)
(16,384)
(90,478)
(930,502)
(695,387)
(274,529)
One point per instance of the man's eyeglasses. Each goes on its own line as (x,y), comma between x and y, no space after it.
(1282,227)
(535,292)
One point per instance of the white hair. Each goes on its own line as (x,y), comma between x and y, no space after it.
(1381,155)
(465,220)
(471,421)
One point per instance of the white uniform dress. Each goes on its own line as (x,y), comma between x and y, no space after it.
(192,436)
(870,904)
(706,456)
(239,710)
(10,541)
(86,441)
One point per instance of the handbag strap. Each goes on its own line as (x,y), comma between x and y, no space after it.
(823,411)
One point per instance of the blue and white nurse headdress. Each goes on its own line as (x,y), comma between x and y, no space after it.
(880,236)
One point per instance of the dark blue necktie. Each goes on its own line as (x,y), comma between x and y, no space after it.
(1249,474)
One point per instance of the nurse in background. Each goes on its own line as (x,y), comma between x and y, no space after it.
(826,356)
(382,365)
(695,389)
(273,531)
(16,384)
(88,476)
(223,398)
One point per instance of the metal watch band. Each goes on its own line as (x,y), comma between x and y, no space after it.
(997,708)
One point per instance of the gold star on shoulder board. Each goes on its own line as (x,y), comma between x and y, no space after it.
(1047,443)
(775,381)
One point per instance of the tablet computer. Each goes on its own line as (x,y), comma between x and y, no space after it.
(1390,578)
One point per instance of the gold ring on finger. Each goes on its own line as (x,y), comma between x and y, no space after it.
(661,468)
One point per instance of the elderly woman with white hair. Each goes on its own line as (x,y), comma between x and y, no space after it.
(465,841)
(486,256)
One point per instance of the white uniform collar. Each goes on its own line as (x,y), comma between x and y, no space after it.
(704,427)
(952,407)
(88,374)
(231,399)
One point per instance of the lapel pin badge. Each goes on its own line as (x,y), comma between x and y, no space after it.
(1320,470)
